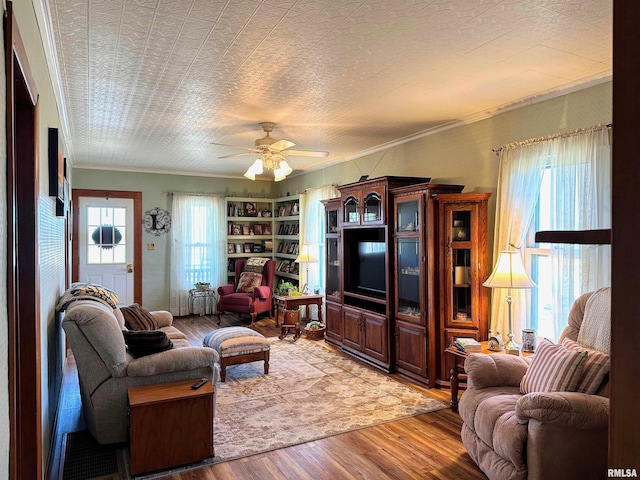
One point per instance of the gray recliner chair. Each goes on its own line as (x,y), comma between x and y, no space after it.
(106,370)
(540,435)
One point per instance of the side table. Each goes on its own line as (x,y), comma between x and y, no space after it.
(455,358)
(286,302)
(202,302)
(169,425)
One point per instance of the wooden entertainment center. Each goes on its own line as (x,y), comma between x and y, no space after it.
(405,262)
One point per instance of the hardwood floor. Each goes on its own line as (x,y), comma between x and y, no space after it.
(423,447)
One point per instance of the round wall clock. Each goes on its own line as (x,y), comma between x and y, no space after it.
(156,221)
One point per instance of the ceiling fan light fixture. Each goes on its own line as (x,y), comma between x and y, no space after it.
(281,172)
(257,166)
(278,175)
(284,166)
(272,155)
(255,169)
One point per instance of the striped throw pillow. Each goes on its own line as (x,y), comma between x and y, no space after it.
(554,369)
(137,318)
(596,366)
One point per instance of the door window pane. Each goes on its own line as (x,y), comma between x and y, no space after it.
(106,235)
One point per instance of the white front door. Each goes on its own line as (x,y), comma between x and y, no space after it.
(105,244)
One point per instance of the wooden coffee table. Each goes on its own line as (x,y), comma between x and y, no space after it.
(455,358)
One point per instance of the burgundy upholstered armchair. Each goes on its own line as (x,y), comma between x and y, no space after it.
(251,291)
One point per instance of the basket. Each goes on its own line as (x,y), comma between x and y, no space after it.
(203,287)
(316,334)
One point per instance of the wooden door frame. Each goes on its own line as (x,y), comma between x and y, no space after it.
(23,272)
(137,232)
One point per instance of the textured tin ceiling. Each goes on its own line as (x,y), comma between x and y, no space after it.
(150,84)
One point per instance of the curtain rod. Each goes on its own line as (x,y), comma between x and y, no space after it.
(551,137)
(195,194)
(326,185)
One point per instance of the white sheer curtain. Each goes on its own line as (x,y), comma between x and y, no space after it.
(580,200)
(579,164)
(198,249)
(312,231)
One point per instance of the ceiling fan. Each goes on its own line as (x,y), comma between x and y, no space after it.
(272,154)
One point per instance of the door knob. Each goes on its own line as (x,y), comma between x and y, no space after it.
(129,268)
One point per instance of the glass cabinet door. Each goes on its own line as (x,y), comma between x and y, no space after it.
(408,274)
(372,207)
(350,207)
(333,268)
(460,267)
(332,221)
(407,216)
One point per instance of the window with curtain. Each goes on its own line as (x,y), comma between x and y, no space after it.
(555,183)
(313,232)
(198,246)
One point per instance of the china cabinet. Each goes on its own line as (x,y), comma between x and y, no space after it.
(404,266)
(463,266)
(416,276)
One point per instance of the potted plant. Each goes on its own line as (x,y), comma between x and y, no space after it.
(285,288)
(202,286)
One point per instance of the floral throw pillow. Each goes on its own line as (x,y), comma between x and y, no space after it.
(248,282)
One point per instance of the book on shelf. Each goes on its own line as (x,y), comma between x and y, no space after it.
(469,344)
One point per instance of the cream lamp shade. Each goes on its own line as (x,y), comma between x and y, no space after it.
(308,254)
(509,273)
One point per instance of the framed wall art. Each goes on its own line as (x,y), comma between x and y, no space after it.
(56,166)
(63,205)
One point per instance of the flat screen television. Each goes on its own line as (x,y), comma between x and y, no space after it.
(371,267)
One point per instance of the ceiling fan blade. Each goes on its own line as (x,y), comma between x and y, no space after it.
(281,145)
(237,155)
(225,145)
(303,153)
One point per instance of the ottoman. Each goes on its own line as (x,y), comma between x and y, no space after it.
(237,345)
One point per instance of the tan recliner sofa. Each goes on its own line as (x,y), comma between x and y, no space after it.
(106,370)
(542,436)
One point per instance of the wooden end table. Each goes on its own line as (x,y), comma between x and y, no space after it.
(169,424)
(455,358)
(286,302)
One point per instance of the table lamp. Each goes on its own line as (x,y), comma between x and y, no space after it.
(308,254)
(509,273)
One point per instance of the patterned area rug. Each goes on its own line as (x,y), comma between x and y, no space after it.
(310,393)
